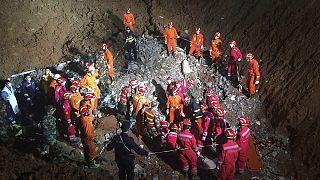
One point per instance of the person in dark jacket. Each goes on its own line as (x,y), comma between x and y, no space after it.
(131,48)
(123,145)
(29,89)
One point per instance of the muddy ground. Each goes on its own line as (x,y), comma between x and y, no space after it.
(282,34)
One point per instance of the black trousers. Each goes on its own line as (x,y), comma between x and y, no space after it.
(126,168)
(131,49)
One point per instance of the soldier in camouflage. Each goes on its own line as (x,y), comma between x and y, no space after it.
(6,132)
(48,125)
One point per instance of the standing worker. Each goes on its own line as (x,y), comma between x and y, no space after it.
(109,60)
(254,74)
(242,141)
(235,55)
(170,38)
(131,48)
(196,43)
(215,49)
(228,156)
(87,132)
(190,150)
(128,19)
(123,145)
(12,108)
(89,82)
(174,106)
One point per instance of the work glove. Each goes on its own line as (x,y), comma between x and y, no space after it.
(28,99)
(198,153)
(239,59)
(182,114)
(25,95)
(257,82)
(178,36)
(204,138)
(165,42)
(201,47)
(167,111)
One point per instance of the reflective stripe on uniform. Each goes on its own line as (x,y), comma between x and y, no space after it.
(246,132)
(230,147)
(185,135)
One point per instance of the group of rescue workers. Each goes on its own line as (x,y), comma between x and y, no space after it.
(189,124)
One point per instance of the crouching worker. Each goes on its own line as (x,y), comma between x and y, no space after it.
(123,145)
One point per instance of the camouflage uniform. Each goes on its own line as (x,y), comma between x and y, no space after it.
(49,128)
(6,132)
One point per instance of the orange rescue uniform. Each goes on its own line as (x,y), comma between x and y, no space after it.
(171,35)
(87,132)
(75,100)
(175,105)
(215,50)
(109,60)
(128,20)
(139,102)
(195,44)
(254,75)
(89,81)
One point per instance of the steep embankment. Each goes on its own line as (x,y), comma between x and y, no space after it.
(284,36)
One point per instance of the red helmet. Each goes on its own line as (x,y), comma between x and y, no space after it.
(197,28)
(187,122)
(233,42)
(217,35)
(210,92)
(249,56)
(221,112)
(61,80)
(142,89)
(230,134)
(243,120)
(73,88)
(87,65)
(104,46)
(203,106)
(191,81)
(84,110)
(171,23)
(133,83)
(174,127)
(89,95)
(67,95)
(187,98)
(164,124)
(214,103)
(169,77)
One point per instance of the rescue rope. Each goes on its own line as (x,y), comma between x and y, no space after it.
(171,150)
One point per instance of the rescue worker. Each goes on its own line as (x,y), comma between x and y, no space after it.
(109,61)
(49,130)
(131,48)
(220,125)
(139,105)
(52,87)
(212,100)
(189,154)
(89,82)
(208,118)
(170,85)
(170,39)
(75,100)
(174,106)
(182,88)
(12,108)
(191,109)
(172,137)
(46,80)
(191,88)
(196,43)
(67,116)
(134,90)
(227,156)
(242,141)
(235,55)
(7,135)
(123,104)
(59,90)
(128,19)
(123,145)
(254,74)
(29,89)
(164,131)
(87,132)
(215,49)
(151,116)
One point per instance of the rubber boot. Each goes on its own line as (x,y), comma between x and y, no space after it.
(93,164)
